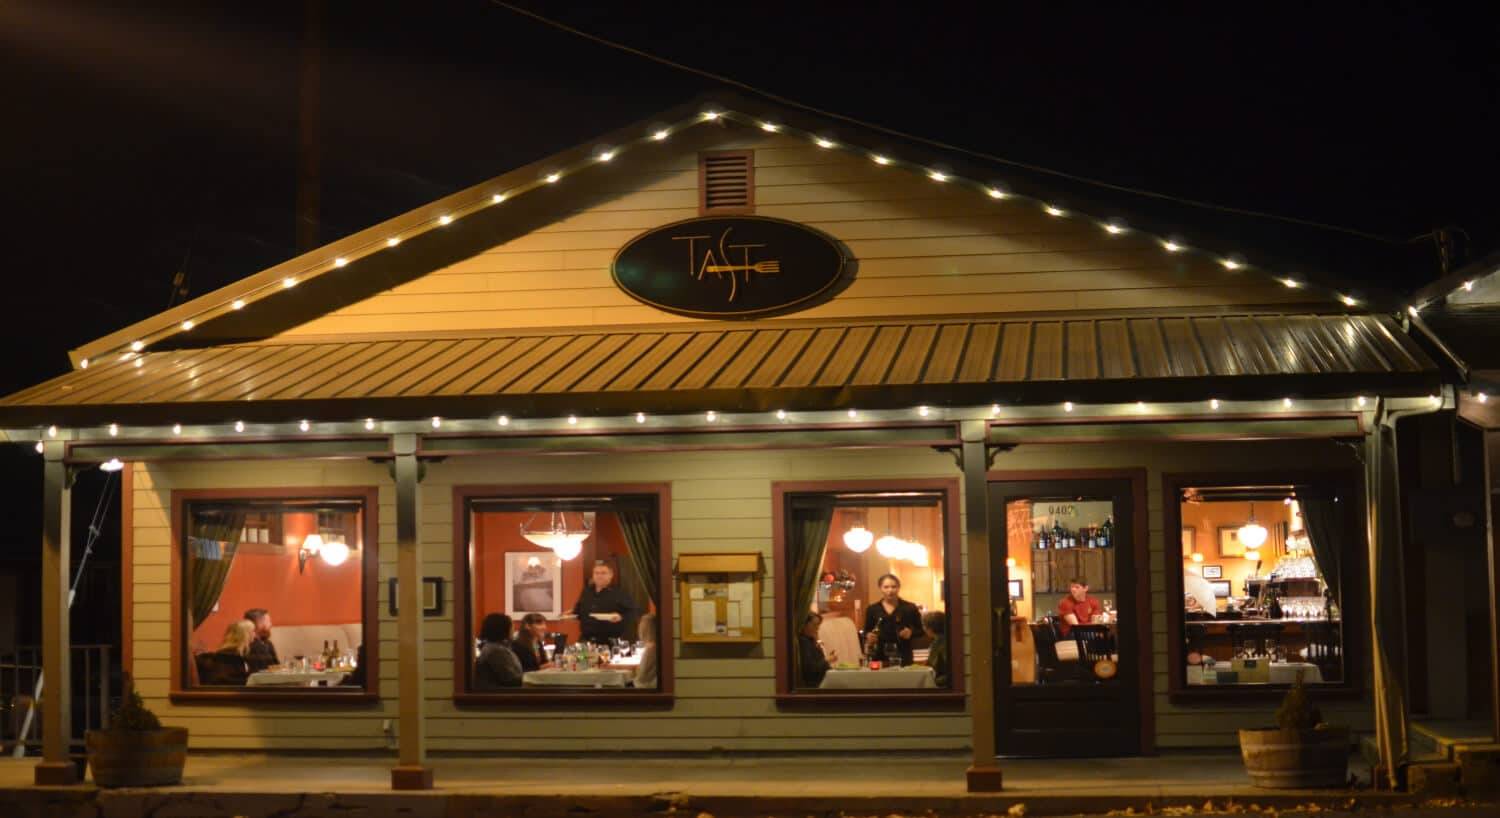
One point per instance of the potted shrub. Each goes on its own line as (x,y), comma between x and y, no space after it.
(136,751)
(1300,751)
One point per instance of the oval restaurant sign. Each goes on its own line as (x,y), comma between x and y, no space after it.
(729,267)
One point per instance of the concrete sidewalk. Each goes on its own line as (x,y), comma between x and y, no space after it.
(856,784)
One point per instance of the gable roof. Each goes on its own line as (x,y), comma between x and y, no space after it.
(276,287)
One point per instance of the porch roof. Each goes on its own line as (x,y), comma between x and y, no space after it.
(742,367)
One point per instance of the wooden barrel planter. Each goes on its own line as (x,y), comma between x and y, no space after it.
(1287,759)
(137,758)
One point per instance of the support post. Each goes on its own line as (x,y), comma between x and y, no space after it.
(56,768)
(411,771)
(1387,599)
(984,774)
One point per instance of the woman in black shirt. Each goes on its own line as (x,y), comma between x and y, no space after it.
(891,619)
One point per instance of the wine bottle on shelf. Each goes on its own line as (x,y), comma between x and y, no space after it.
(1107,533)
(323,655)
(1041,538)
(1059,536)
(336,658)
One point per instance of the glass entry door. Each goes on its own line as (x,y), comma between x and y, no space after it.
(1067,678)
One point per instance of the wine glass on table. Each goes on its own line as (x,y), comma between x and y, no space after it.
(299,662)
(892,654)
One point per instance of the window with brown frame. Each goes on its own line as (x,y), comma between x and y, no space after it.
(868,603)
(275,594)
(726,182)
(1267,577)
(561,597)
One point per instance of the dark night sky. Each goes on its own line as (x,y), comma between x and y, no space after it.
(134,139)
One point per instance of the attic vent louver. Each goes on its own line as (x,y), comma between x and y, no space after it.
(726,182)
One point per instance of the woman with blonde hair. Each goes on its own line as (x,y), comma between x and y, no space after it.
(646,672)
(227,665)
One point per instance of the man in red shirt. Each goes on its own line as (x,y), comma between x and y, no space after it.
(1078,608)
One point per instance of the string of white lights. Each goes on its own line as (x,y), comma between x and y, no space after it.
(993,191)
(1020,413)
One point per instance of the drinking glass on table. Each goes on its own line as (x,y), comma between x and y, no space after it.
(299,662)
(892,654)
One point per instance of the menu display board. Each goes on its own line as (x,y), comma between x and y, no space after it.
(720,597)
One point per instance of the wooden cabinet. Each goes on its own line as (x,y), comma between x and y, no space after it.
(1052,569)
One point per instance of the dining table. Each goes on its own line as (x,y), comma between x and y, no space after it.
(593,677)
(296,678)
(1281,673)
(911,677)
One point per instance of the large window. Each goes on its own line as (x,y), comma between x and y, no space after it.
(563,597)
(867,602)
(275,594)
(1263,580)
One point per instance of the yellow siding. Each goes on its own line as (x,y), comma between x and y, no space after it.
(922,249)
(720,501)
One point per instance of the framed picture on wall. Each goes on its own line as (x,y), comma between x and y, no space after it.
(1221,588)
(1213,571)
(1189,540)
(533,584)
(1229,541)
(1016,591)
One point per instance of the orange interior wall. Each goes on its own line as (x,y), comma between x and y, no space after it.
(1207,518)
(919,585)
(322,595)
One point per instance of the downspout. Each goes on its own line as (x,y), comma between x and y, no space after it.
(1387,584)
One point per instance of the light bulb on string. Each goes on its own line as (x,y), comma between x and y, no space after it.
(239,426)
(503,420)
(572,420)
(392,241)
(445,219)
(369,423)
(661,135)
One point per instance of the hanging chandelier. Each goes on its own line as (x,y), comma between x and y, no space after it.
(1252,534)
(858,538)
(557,537)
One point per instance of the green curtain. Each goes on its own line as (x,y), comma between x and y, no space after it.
(1325,531)
(210,551)
(644,543)
(808,521)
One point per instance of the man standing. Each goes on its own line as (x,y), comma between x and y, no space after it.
(1078,608)
(603,610)
(262,653)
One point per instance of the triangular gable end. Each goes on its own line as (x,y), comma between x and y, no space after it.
(924,242)
(919,248)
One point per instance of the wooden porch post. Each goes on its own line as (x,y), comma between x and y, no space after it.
(55,768)
(984,774)
(411,771)
(1387,599)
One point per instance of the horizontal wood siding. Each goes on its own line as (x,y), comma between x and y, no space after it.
(922,249)
(721,501)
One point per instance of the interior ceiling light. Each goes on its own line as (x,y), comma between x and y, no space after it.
(566,542)
(858,539)
(1252,534)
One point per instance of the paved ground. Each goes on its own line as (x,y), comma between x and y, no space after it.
(620,787)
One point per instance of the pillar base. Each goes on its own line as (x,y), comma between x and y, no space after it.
(411,778)
(985,778)
(56,774)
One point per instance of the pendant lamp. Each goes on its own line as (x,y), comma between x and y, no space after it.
(1252,534)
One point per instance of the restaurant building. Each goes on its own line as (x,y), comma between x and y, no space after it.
(749,364)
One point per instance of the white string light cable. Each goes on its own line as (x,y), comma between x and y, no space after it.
(508,425)
(135,351)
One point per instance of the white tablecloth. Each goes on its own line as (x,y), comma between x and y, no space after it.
(916,677)
(289,678)
(575,678)
(1282,673)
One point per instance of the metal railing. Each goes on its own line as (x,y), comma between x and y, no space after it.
(95,685)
